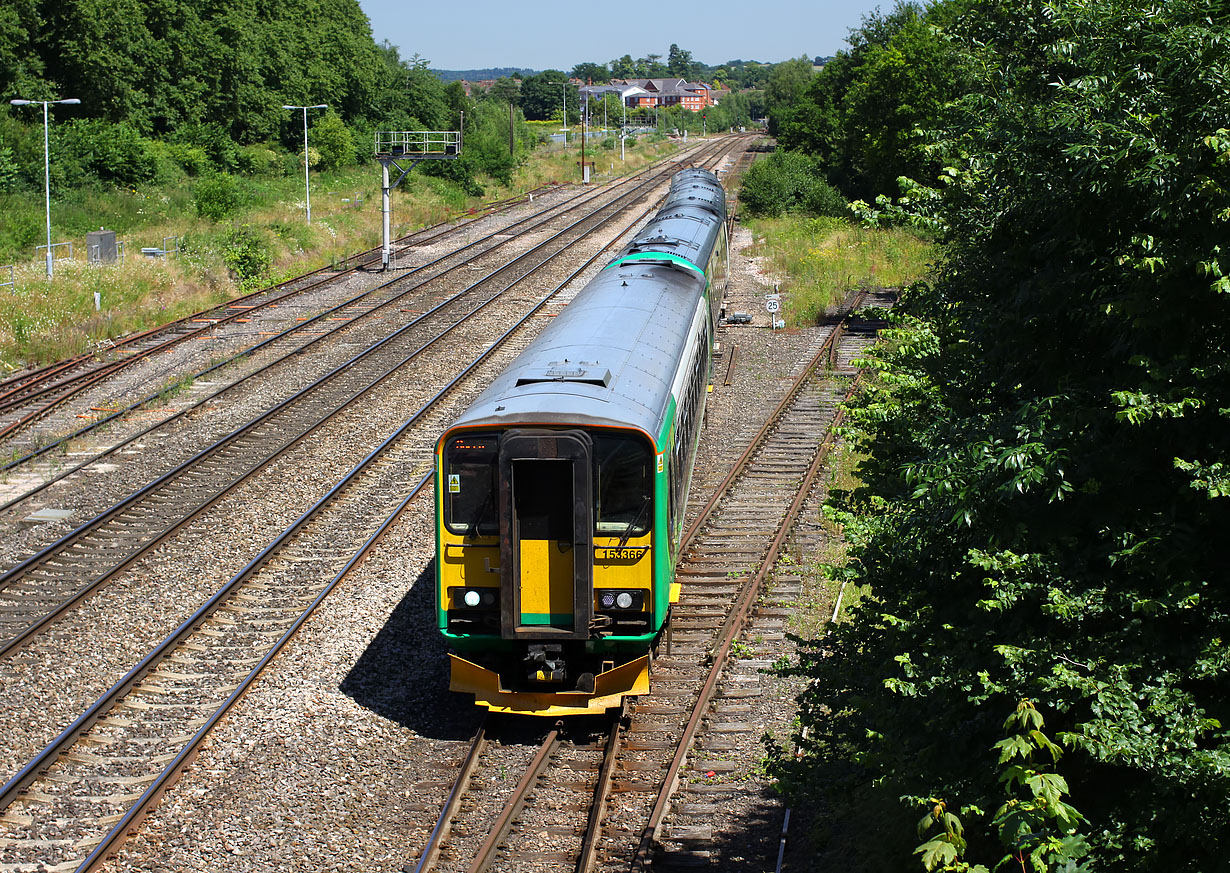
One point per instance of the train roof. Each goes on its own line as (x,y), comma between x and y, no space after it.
(607,360)
(684,225)
(610,357)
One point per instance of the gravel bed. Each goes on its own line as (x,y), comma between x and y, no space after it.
(163,589)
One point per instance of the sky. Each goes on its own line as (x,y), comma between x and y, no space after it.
(477,34)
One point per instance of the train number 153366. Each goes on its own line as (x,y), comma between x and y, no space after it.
(605,555)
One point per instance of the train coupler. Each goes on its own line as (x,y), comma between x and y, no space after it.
(545,662)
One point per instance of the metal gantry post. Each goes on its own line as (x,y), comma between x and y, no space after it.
(386,206)
(411,147)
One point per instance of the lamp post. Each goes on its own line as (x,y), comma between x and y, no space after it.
(307,186)
(46,164)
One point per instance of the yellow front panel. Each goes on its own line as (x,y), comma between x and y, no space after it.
(474,562)
(627,566)
(546,583)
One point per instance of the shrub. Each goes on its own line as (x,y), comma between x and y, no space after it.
(104,152)
(459,171)
(789,182)
(19,232)
(9,171)
(216,197)
(192,158)
(220,150)
(258,158)
(331,138)
(246,254)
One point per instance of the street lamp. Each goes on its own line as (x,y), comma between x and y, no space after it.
(307,186)
(46,164)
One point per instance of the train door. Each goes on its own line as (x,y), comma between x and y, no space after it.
(546,535)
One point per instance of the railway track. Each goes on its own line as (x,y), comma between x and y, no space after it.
(27,396)
(120,754)
(596,796)
(337,323)
(56,579)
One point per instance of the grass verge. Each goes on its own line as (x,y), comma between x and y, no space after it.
(819,260)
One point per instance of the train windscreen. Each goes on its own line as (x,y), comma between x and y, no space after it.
(623,485)
(470,497)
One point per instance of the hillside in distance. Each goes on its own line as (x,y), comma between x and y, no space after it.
(481,75)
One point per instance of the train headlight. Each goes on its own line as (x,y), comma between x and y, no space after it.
(472,598)
(615,599)
(488,598)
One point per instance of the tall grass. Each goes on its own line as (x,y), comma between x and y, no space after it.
(42,321)
(820,260)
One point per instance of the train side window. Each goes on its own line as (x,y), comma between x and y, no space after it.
(470,486)
(686,427)
(623,485)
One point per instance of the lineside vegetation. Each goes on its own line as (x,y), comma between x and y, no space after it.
(1037,675)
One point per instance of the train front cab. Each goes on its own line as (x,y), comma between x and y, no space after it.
(546,566)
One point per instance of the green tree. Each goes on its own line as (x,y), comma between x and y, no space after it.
(864,113)
(785,88)
(505,90)
(542,96)
(679,62)
(623,68)
(21,69)
(651,67)
(1044,489)
(458,103)
(591,73)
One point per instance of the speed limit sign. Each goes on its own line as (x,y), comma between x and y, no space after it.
(772,305)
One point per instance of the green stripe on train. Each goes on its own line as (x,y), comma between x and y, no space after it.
(655,256)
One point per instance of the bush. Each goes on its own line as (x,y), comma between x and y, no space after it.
(257,158)
(216,197)
(459,171)
(112,153)
(220,150)
(9,175)
(191,158)
(789,182)
(331,138)
(246,254)
(20,232)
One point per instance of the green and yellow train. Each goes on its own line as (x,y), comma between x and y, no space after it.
(560,492)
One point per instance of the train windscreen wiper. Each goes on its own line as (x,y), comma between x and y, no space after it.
(640,513)
(478,514)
